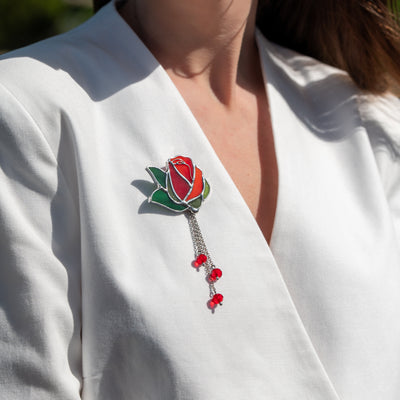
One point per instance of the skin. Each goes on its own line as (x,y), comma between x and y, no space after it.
(208,49)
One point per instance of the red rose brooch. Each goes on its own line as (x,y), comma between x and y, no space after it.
(181,187)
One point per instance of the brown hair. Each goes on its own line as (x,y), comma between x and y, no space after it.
(359,36)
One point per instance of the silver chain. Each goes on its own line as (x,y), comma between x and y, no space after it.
(200,247)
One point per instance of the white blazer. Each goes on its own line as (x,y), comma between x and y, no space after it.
(98,299)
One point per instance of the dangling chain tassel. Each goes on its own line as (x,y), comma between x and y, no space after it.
(203,258)
(181,187)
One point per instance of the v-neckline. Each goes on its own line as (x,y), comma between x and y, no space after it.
(200,132)
(210,149)
(199,135)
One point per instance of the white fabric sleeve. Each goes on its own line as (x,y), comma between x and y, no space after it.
(40,295)
(381,117)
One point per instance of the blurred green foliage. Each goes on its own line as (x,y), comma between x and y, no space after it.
(26,21)
(395,6)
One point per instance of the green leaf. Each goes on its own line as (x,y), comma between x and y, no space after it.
(196,203)
(161,198)
(206,189)
(158,175)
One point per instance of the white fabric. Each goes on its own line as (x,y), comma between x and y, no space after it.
(98,299)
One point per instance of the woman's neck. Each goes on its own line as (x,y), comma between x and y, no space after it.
(209,41)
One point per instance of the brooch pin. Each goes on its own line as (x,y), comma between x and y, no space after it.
(181,187)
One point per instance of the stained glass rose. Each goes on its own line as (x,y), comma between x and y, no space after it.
(180,185)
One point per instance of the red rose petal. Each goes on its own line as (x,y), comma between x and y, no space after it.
(184,170)
(185,166)
(197,185)
(180,186)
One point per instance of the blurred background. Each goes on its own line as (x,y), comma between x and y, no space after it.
(26,21)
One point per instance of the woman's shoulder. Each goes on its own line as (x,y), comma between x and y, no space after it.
(333,108)
(63,75)
(47,64)
(381,118)
(325,90)
(301,69)
(39,80)
(85,65)
(81,58)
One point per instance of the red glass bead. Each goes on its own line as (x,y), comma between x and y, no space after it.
(215,274)
(201,259)
(211,304)
(217,298)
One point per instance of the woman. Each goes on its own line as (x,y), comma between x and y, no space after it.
(98,297)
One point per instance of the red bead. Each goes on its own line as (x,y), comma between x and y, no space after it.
(217,298)
(201,259)
(215,274)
